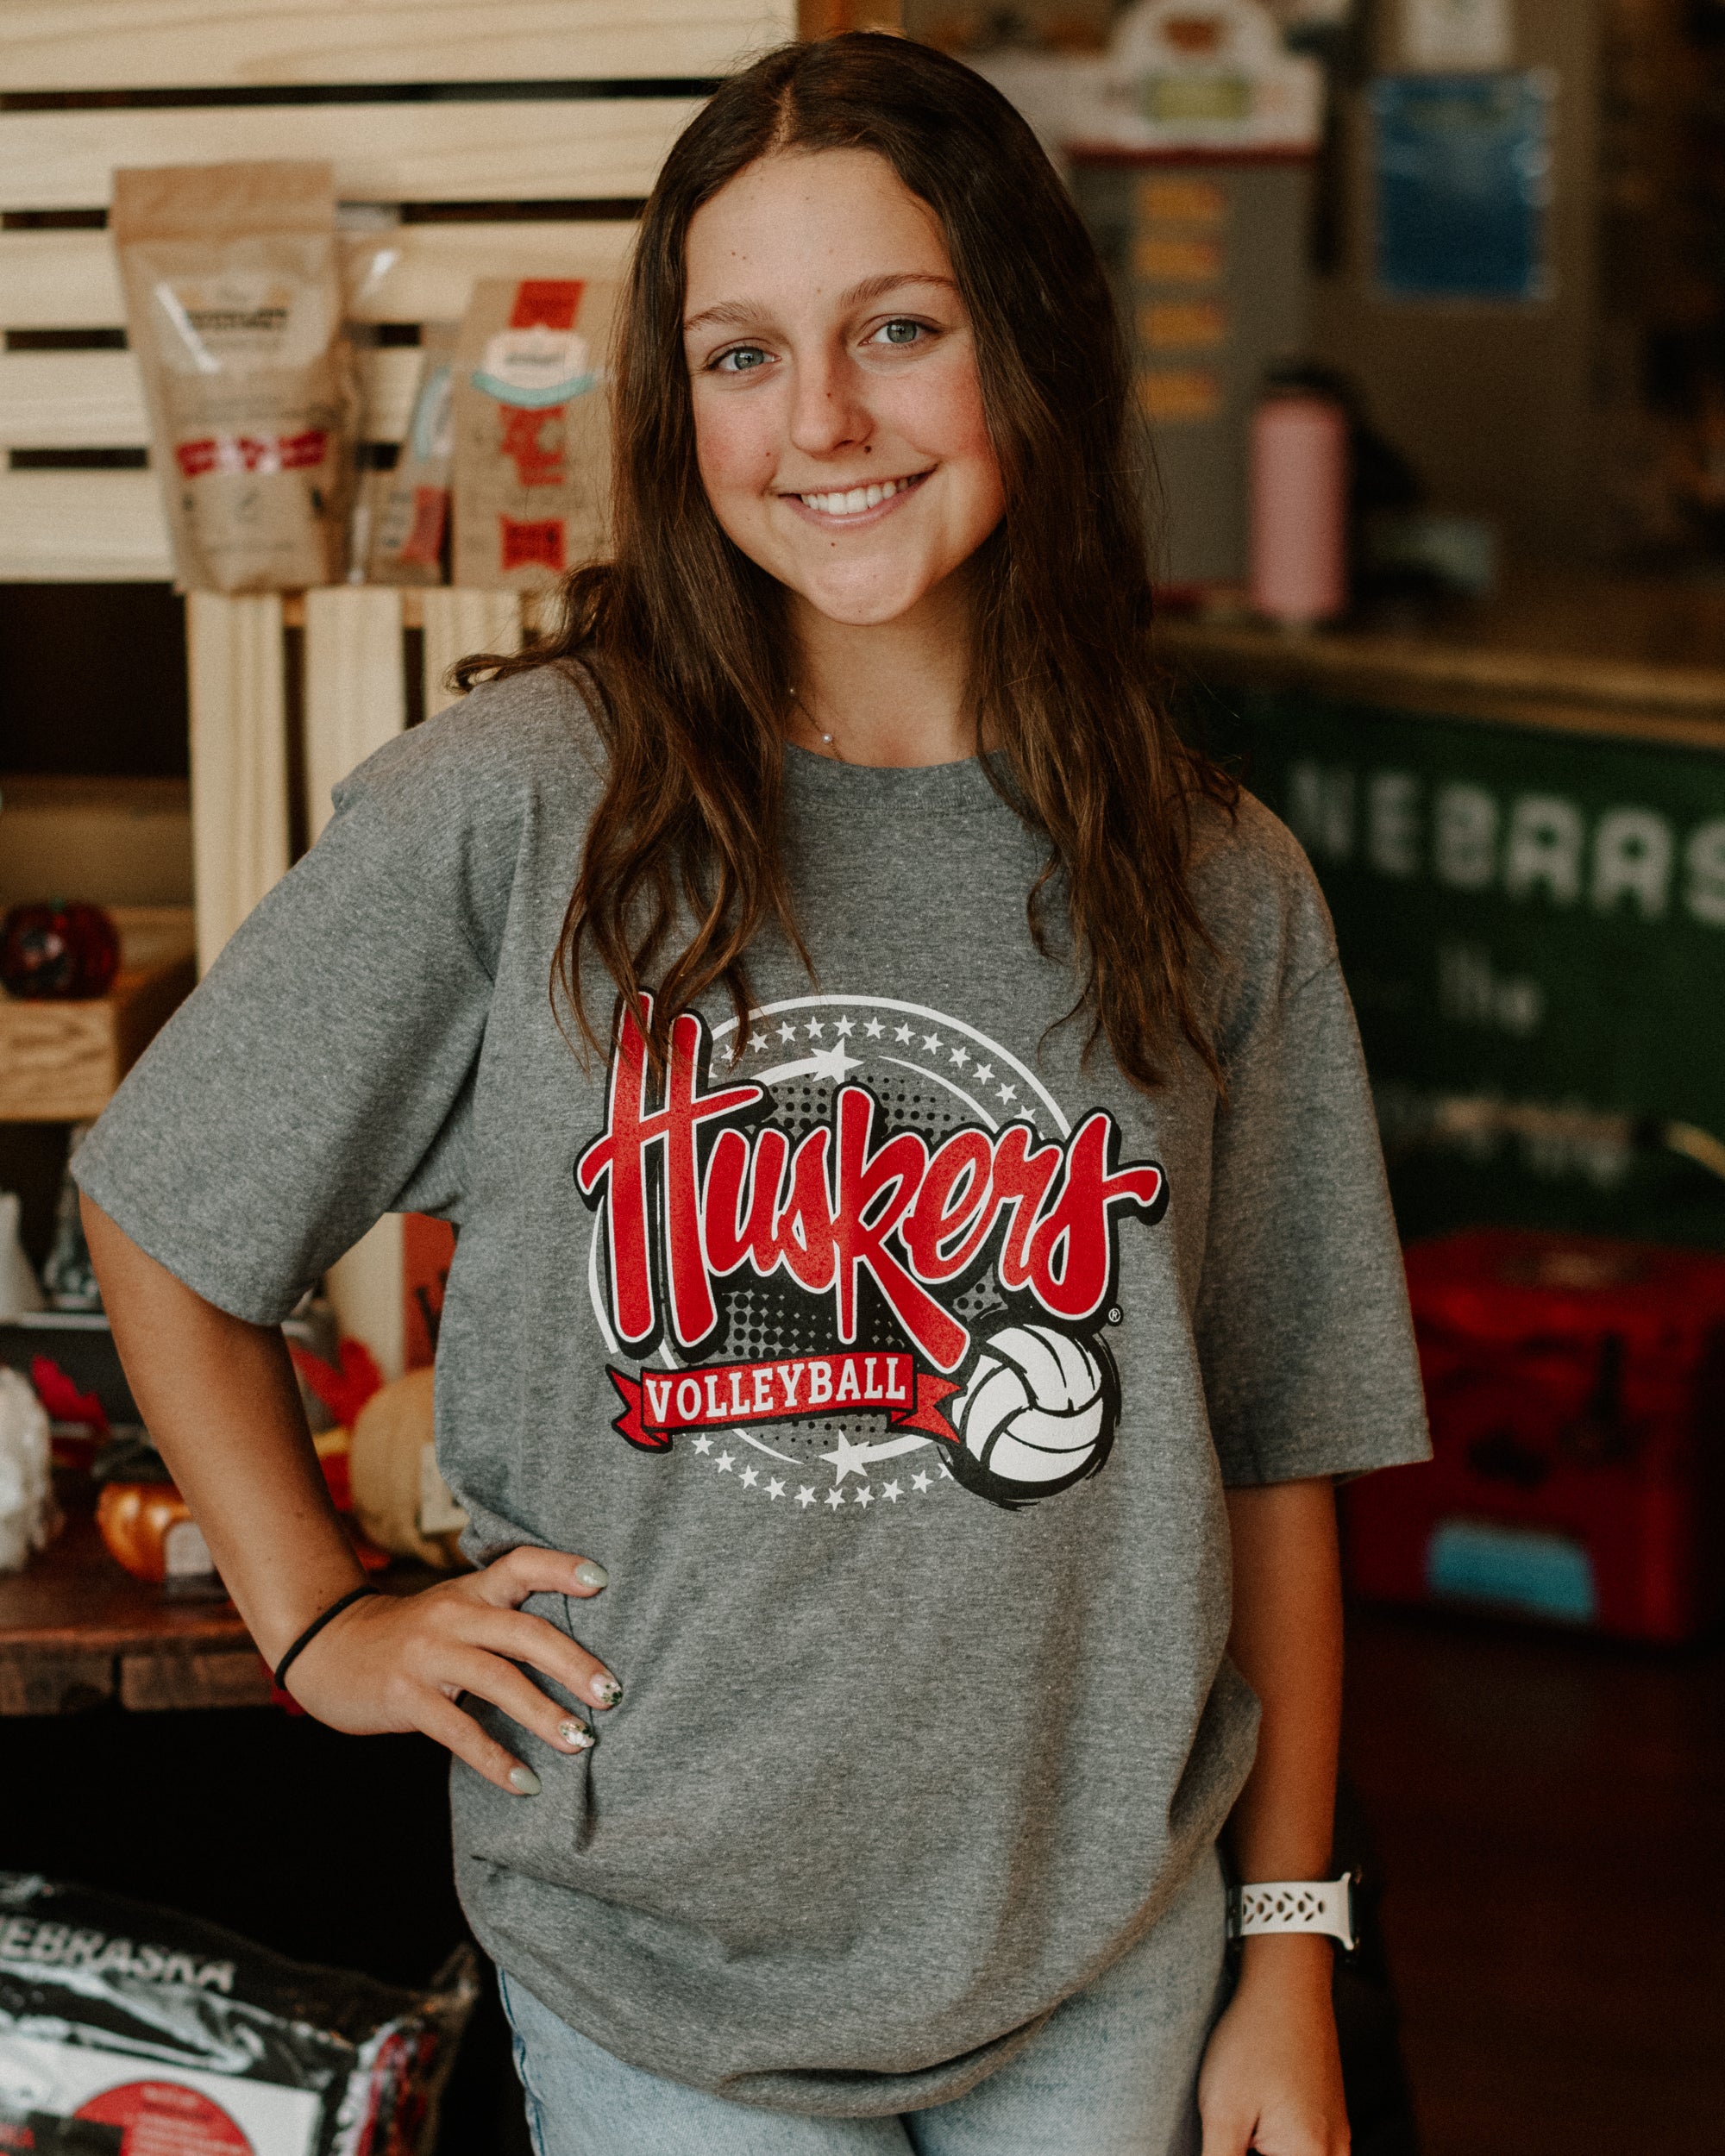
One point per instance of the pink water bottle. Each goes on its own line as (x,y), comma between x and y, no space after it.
(1299,508)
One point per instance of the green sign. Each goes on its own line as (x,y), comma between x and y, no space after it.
(1532,928)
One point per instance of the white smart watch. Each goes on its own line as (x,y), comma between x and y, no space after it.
(1294,1905)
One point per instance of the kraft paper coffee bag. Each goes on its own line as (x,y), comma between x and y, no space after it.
(234,307)
(532,430)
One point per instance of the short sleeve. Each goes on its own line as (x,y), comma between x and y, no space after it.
(1302,1322)
(316,1078)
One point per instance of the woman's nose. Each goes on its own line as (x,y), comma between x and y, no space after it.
(828,411)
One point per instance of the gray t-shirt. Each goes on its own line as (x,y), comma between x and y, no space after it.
(890,1357)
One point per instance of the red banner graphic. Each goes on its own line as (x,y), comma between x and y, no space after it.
(242,453)
(720,1395)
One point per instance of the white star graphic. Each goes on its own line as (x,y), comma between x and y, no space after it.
(874,1029)
(806,1496)
(901,1033)
(848,1458)
(843,1028)
(833,1062)
(787,1033)
(931,1042)
(960,1057)
(757,1042)
(815,1029)
(775,1488)
(835,1498)
(919,1482)
(984,1072)
(892,1491)
(750,1477)
(865,1497)
(1007,1092)
(703,1444)
(725,1463)
(946,1471)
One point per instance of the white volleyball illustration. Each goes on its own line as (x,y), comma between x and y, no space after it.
(1036,1412)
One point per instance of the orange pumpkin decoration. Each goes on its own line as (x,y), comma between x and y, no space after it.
(148,1528)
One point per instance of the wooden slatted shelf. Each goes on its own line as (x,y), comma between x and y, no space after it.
(523,150)
(550,119)
(60,44)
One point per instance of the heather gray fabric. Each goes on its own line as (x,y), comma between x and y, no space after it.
(1112,2072)
(927,1714)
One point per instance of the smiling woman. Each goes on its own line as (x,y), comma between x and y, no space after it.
(965,1538)
(822,292)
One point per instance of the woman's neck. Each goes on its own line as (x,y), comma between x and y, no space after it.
(890,693)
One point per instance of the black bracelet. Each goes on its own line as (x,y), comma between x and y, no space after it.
(312,1631)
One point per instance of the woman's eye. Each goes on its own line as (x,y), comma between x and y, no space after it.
(900,333)
(742,359)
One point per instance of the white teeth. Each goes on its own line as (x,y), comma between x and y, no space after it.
(855,499)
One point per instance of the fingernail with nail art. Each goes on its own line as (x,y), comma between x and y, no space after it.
(577,1736)
(587,1573)
(606,1690)
(523,1780)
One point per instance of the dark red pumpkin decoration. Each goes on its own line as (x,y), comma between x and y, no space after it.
(72,952)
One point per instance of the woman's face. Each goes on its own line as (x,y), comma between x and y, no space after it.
(839,419)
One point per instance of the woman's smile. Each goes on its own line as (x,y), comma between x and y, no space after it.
(856,504)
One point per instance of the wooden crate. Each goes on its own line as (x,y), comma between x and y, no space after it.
(494,139)
(357,662)
(60,1063)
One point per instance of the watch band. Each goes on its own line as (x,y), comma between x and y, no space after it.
(1294,1905)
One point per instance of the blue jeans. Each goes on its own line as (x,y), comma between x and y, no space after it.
(1113,2072)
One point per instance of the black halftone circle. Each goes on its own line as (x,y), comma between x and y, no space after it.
(776,1319)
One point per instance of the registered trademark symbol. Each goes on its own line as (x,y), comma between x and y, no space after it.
(1113,1317)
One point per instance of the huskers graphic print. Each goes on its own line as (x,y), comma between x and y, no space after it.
(858,1250)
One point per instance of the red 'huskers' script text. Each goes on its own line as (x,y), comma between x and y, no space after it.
(694,1188)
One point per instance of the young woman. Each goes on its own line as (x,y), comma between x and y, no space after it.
(923,1246)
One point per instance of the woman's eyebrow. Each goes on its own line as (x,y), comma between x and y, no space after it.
(743,313)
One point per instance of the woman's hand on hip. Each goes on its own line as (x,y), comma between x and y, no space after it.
(1271,2079)
(402,1661)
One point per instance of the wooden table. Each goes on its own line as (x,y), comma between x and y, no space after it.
(76,1630)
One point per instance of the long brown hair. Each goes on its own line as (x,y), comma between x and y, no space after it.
(680,638)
